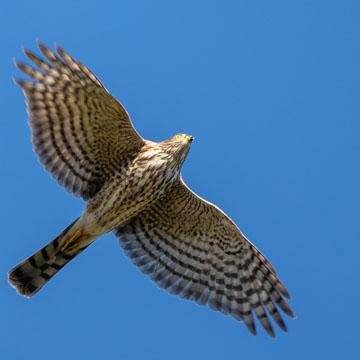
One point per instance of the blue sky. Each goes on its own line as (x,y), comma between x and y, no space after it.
(270,90)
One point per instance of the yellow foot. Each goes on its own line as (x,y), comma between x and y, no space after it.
(74,241)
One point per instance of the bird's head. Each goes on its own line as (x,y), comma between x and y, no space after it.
(177,147)
(169,154)
(183,138)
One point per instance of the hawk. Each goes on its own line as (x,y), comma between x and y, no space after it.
(84,137)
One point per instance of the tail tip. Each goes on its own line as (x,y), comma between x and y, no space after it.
(21,283)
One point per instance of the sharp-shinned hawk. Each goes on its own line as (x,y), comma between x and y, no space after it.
(84,137)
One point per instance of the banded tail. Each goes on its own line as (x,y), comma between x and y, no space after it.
(32,274)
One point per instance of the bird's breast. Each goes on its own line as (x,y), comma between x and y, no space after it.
(126,195)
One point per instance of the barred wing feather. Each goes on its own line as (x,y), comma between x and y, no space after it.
(81,134)
(192,249)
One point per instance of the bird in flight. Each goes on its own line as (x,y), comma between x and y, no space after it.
(84,137)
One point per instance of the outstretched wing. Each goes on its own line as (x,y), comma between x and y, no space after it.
(81,134)
(192,249)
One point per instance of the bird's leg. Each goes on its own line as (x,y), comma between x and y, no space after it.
(74,241)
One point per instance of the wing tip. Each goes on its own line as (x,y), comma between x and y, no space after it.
(19,82)
(20,65)
(40,44)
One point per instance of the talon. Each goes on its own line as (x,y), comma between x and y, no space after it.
(74,241)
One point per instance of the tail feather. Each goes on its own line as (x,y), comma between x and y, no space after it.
(32,274)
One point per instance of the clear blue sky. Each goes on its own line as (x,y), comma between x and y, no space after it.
(270,90)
